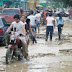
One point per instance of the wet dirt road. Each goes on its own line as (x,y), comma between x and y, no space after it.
(55,56)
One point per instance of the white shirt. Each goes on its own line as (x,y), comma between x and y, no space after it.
(25,23)
(18,27)
(32,20)
(49,21)
(38,16)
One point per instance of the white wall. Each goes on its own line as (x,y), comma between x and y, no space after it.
(42,1)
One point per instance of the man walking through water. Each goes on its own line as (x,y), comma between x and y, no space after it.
(60,24)
(38,19)
(33,25)
(50,26)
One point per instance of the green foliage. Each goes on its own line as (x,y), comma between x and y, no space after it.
(55,3)
(67,2)
(60,3)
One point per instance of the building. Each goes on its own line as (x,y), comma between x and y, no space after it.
(1,2)
(32,4)
(24,4)
(21,3)
(15,3)
(5,2)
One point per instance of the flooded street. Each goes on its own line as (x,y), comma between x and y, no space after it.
(55,56)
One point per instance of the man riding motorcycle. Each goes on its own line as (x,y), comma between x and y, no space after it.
(20,29)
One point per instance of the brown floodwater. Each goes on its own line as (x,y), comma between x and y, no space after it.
(55,56)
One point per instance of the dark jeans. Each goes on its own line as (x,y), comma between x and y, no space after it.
(7,39)
(59,30)
(33,38)
(34,27)
(49,29)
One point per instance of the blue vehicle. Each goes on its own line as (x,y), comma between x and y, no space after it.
(3,27)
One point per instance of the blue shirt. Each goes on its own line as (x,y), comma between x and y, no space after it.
(59,21)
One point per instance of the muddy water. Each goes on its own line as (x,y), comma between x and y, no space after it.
(55,56)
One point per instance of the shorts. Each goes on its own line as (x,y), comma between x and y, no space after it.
(38,23)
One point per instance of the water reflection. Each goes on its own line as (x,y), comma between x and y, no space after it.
(17,67)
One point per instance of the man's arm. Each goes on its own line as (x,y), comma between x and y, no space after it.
(46,21)
(56,22)
(53,22)
(34,19)
(9,28)
(24,31)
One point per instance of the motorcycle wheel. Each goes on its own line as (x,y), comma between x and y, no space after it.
(9,55)
(19,58)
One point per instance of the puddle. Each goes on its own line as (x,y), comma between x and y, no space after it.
(55,56)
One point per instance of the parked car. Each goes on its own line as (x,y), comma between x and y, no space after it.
(3,27)
(63,14)
(8,14)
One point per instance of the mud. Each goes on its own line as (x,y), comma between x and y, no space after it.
(55,56)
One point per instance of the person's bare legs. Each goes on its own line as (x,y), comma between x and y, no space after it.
(25,47)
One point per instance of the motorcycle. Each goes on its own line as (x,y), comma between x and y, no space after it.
(14,49)
(70,15)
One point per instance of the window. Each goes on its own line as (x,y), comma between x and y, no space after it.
(4,21)
(11,11)
(1,23)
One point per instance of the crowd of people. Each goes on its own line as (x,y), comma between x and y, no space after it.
(29,24)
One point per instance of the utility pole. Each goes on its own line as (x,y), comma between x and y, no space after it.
(47,4)
(35,1)
(23,4)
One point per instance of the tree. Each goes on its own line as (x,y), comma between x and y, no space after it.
(55,3)
(61,3)
(67,2)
